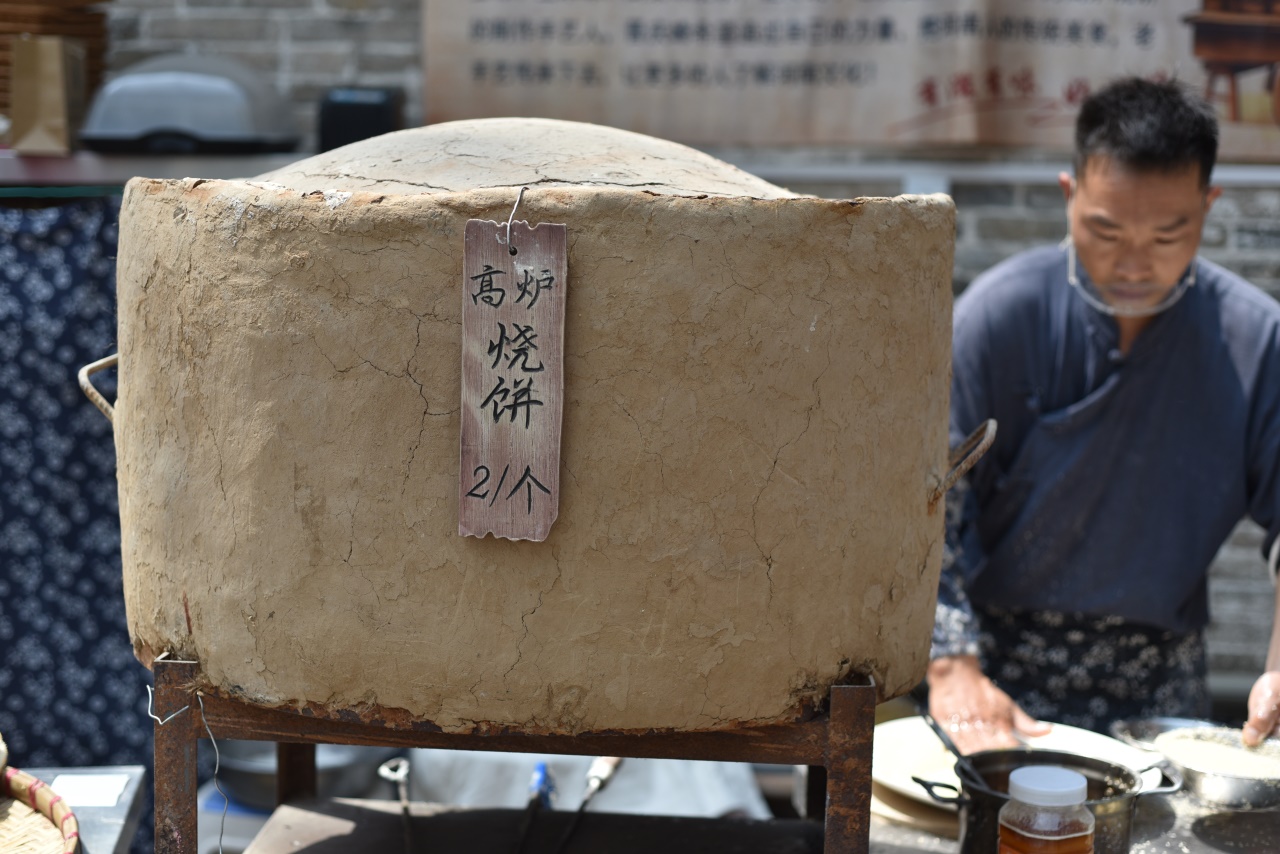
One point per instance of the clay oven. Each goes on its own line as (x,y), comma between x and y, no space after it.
(755,414)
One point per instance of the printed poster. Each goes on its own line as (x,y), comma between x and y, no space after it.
(878,73)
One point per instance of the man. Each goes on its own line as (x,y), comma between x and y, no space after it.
(1137,392)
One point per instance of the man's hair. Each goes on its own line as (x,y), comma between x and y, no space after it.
(1148,127)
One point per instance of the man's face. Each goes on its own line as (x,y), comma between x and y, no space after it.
(1135,232)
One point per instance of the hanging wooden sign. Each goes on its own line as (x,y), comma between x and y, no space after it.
(514,279)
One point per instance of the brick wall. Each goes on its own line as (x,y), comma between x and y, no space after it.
(302,46)
(994,220)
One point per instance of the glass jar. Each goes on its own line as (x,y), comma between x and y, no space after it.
(1046,812)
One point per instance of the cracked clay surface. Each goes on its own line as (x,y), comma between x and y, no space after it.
(755,416)
(494,153)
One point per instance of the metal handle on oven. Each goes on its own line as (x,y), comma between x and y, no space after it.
(92,393)
(966,456)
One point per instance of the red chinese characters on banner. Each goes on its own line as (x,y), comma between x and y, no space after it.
(993,83)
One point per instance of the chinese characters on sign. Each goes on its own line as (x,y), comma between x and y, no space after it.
(815,72)
(512,379)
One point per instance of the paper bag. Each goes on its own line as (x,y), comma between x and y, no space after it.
(48,93)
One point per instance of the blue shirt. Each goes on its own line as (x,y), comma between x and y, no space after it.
(1113,479)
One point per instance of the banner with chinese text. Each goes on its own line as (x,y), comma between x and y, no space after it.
(886,73)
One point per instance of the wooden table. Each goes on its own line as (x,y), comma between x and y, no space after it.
(1230,43)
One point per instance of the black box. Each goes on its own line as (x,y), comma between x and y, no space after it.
(352,113)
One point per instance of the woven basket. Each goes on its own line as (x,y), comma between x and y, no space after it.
(34,819)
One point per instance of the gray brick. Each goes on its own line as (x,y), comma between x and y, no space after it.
(403,79)
(403,28)
(310,60)
(1248,535)
(1228,661)
(379,62)
(252,27)
(822,191)
(1218,217)
(846,190)
(118,59)
(1241,624)
(1225,208)
(1240,603)
(305,114)
(314,28)
(1240,567)
(118,5)
(251,4)
(982,195)
(972,262)
(1214,234)
(404,7)
(1249,611)
(1229,651)
(1262,203)
(1260,272)
(874,189)
(123,26)
(413,103)
(310,92)
(1021,229)
(411,50)
(1258,236)
(1225,257)
(1044,197)
(1247,538)
(264,57)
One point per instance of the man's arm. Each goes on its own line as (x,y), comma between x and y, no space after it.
(962,699)
(1264,508)
(955,628)
(1264,699)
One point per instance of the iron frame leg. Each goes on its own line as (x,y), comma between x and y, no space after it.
(175,760)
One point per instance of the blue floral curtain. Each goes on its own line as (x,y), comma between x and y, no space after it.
(71,691)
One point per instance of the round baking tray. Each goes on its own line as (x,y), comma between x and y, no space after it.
(1216,781)
(1143,732)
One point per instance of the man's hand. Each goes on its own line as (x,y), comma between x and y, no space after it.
(1264,699)
(974,712)
(1264,709)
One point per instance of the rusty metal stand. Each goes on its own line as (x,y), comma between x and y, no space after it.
(836,745)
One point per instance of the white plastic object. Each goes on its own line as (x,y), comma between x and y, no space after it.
(1048,786)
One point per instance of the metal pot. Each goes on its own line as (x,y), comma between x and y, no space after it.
(1113,795)
(1210,783)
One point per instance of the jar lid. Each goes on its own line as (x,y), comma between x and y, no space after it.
(1048,786)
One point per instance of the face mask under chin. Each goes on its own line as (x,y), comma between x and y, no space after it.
(1079,280)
